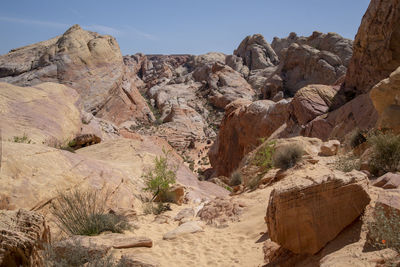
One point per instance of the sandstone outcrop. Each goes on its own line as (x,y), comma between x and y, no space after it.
(256,52)
(32,175)
(303,65)
(243,125)
(42,113)
(376,50)
(86,61)
(386,99)
(311,207)
(358,112)
(22,234)
(312,101)
(331,42)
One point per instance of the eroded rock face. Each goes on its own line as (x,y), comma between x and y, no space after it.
(386,99)
(22,234)
(359,112)
(376,49)
(311,207)
(303,65)
(256,52)
(86,61)
(243,125)
(312,101)
(331,42)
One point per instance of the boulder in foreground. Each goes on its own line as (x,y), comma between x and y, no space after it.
(313,206)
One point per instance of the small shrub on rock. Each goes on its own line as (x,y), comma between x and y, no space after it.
(385,152)
(287,156)
(356,138)
(263,157)
(22,139)
(236,178)
(84,213)
(384,229)
(159,179)
(347,163)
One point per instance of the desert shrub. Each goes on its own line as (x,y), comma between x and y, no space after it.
(347,163)
(84,213)
(287,156)
(21,139)
(263,157)
(155,208)
(236,178)
(384,229)
(159,179)
(385,152)
(76,255)
(254,182)
(357,137)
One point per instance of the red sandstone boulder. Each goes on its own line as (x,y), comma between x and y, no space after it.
(313,205)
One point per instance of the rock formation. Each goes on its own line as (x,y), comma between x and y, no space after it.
(256,52)
(306,212)
(86,61)
(42,113)
(22,234)
(386,99)
(243,125)
(376,50)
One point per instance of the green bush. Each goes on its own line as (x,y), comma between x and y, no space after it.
(347,163)
(385,152)
(156,209)
(357,137)
(263,157)
(159,179)
(287,156)
(384,228)
(77,255)
(84,213)
(236,178)
(21,139)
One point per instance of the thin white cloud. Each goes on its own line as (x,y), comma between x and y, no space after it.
(103,29)
(35,22)
(134,31)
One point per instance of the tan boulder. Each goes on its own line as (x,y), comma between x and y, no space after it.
(386,99)
(389,180)
(310,207)
(329,148)
(41,113)
(22,234)
(376,50)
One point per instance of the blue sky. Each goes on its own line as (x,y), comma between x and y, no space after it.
(176,26)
